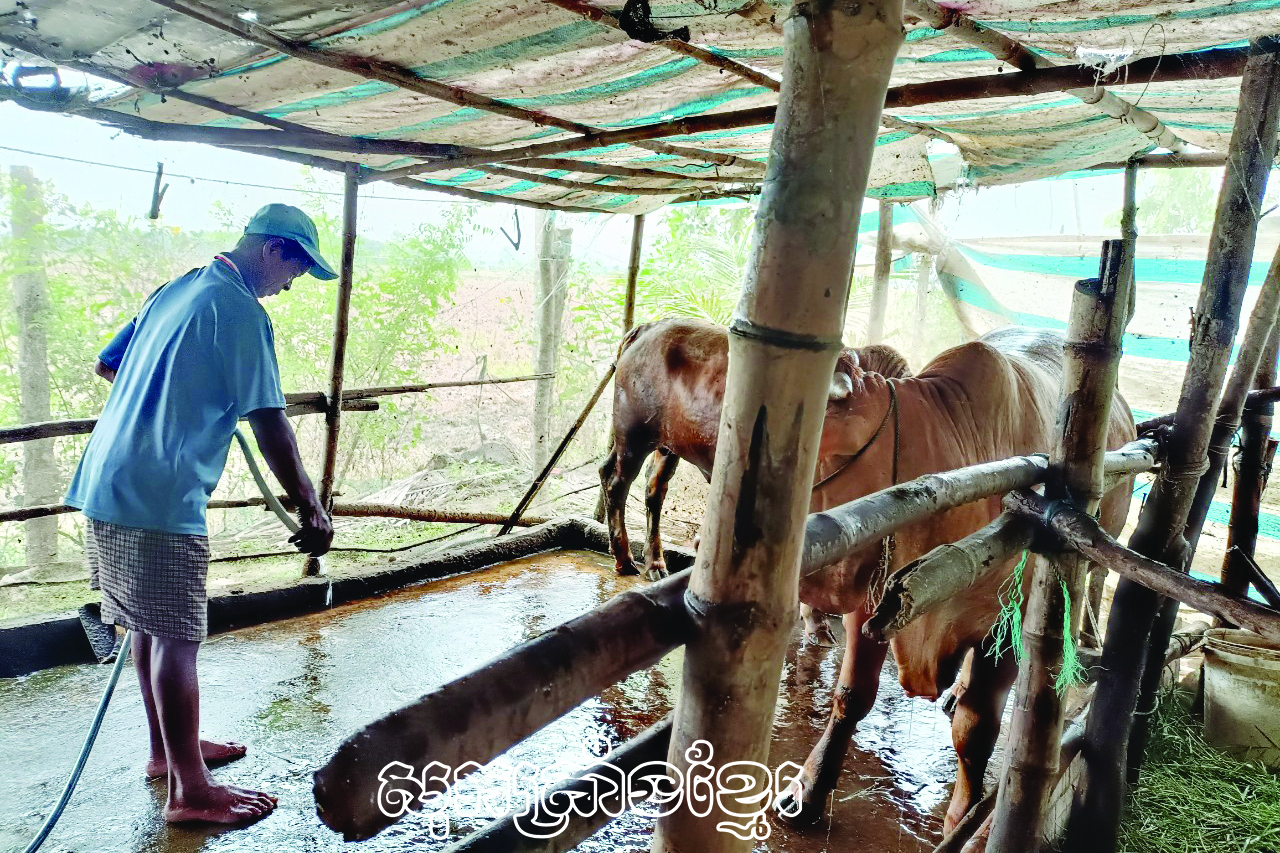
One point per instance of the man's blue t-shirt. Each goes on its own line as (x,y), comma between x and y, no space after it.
(199,356)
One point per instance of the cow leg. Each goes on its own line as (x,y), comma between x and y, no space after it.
(617,473)
(806,797)
(980,695)
(662,468)
(816,630)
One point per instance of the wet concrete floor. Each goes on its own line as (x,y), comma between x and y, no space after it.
(293,690)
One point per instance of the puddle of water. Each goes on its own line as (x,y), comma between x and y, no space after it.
(293,690)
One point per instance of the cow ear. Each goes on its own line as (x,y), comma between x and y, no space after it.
(841,387)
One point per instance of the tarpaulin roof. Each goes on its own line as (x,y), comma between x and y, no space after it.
(499,75)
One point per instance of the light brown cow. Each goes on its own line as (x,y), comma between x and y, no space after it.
(668,390)
(979,402)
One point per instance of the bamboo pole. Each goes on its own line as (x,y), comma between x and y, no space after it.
(401,77)
(482,714)
(834,534)
(1099,314)
(958,24)
(782,348)
(1256,397)
(1095,816)
(922,586)
(348,510)
(1202,65)
(1230,407)
(296,403)
(1257,334)
(1257,450)
(556,454)
(628,317)
(590,812)
(633,272)
(706,57)
(880,284)
(342,319)
(1083,534)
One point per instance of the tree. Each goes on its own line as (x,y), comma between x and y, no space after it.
(40,480)
(553,247)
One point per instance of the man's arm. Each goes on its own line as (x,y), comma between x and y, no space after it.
(280,448)
(107,373)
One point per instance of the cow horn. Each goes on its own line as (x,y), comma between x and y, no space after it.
(841,387)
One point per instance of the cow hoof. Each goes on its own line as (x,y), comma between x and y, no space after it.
(656,572)
(948,704)
(819,635)
(796,807)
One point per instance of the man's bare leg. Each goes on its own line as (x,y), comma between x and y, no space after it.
(214,752)
(193,794)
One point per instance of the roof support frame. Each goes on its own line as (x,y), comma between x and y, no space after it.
(403,78)
(1202,65)
(1007,49)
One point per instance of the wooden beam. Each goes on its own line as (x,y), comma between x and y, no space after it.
(920,587)
(1183,160)
(395,75)
(833,534)
(241,137)
(1001,46)
(1132,626)
(616,189)
(783,344)
(706,57)
(482,714)
(1204,65)
(1082,533)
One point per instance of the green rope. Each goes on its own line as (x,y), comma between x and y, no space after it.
(1072,672)
(1007,632)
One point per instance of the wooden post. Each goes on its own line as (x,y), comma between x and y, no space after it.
(1257,449)
(782,348)
(1095,817)
(924,278)
(342,313)
(1099,314)
(628,316)
(1090,630)
(31,306)
(633,272)
(880,286)
(1257,334)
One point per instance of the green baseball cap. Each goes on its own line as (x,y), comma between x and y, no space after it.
(290,223)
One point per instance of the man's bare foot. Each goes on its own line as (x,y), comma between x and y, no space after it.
(215,754)
(219,804)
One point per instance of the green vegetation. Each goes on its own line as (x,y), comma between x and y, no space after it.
(1193,798)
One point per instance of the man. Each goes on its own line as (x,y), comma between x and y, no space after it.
(199,356)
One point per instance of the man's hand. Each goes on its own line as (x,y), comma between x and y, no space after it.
(280,448)
(315,533)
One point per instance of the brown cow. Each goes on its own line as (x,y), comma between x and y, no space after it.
(991,399)
(668,390)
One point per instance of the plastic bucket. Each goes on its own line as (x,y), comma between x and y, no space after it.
(1242,694)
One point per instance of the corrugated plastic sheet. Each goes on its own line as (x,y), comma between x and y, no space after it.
(542,57)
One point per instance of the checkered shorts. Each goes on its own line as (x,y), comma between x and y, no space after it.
(151,581)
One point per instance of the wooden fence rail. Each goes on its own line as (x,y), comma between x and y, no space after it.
(300,403)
